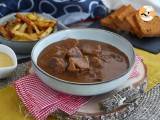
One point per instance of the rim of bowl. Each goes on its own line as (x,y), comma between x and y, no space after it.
(93,83)
(14,59)
(16,41)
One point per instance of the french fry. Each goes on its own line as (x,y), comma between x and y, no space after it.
(23,27)
(25,36)
(29,29)
(42,24)
(9,33)
(4,32)
(46,33)
(17,38)
(32,16)
(13,22)
(16,27)
(28,21)
(40,18)
(8,26)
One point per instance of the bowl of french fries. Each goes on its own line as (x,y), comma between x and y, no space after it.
(21,31)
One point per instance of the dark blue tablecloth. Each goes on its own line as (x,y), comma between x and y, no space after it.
(56,8)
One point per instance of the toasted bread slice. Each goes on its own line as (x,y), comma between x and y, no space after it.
(149,28)
(131,19)
(127,11)
(120,20)
(108,21)
(116,12)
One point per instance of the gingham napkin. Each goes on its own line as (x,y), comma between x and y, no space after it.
(41,100)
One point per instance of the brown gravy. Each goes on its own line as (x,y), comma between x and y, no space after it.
(83,61)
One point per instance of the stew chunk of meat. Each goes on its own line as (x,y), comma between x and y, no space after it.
(60,52)
(96,62)
(77,64)
(72,67)
(74,52)
(92,50)
(58,65)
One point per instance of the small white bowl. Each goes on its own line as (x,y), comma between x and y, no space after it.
(6,71)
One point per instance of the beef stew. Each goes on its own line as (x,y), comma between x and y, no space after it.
(83,61)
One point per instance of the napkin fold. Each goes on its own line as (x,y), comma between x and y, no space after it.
(41,100)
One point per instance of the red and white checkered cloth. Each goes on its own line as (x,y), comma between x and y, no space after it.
(41,101)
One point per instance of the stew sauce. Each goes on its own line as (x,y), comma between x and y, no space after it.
(83,61)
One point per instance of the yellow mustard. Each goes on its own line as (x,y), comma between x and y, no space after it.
(5,60)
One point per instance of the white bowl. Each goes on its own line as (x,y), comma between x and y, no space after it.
(6,71)
(20,47)
(84,89)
